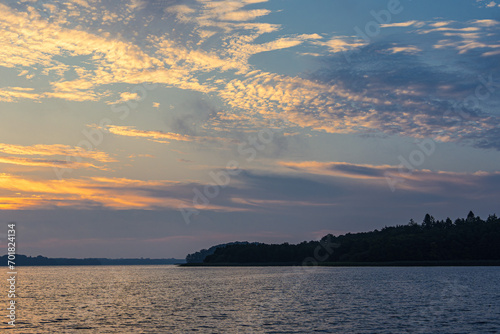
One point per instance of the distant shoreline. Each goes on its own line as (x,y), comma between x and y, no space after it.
(471,263)
(42,261)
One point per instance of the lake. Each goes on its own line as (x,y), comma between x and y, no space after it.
(170,299)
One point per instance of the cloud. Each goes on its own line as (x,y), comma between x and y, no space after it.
(402,24)
(394,85)
(180,9)
(341,169)
(440,23)
(48,163)
(487,22)
(308,185)
(398,88)
(55,150)
(488,3)
(131,131)
(244,15)
(340,45)
(466,36)
(411,49)
(376,91)
(399,178)
(228,10)
(99,192)
(115,61)
(11,94)
(290,134)
(137,4)
(355,198)
(126,96)
(82,3)
(268,203)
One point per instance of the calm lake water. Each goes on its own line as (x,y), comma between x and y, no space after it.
(169,299)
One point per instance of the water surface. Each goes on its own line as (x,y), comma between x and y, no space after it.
(169,299)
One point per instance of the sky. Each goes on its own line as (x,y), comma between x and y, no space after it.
(155,128)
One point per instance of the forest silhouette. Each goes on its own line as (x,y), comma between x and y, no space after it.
(465,239)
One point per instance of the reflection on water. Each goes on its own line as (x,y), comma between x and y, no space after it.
(168,299)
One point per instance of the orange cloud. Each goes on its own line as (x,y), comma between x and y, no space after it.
(405,49)
(340,45)
(126,96)
(158,136)
(54,150)
(131,131)
(114,193)
(48,163)
(10,94)
(118,61)
(301,102)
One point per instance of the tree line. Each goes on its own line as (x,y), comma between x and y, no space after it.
(465,239)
